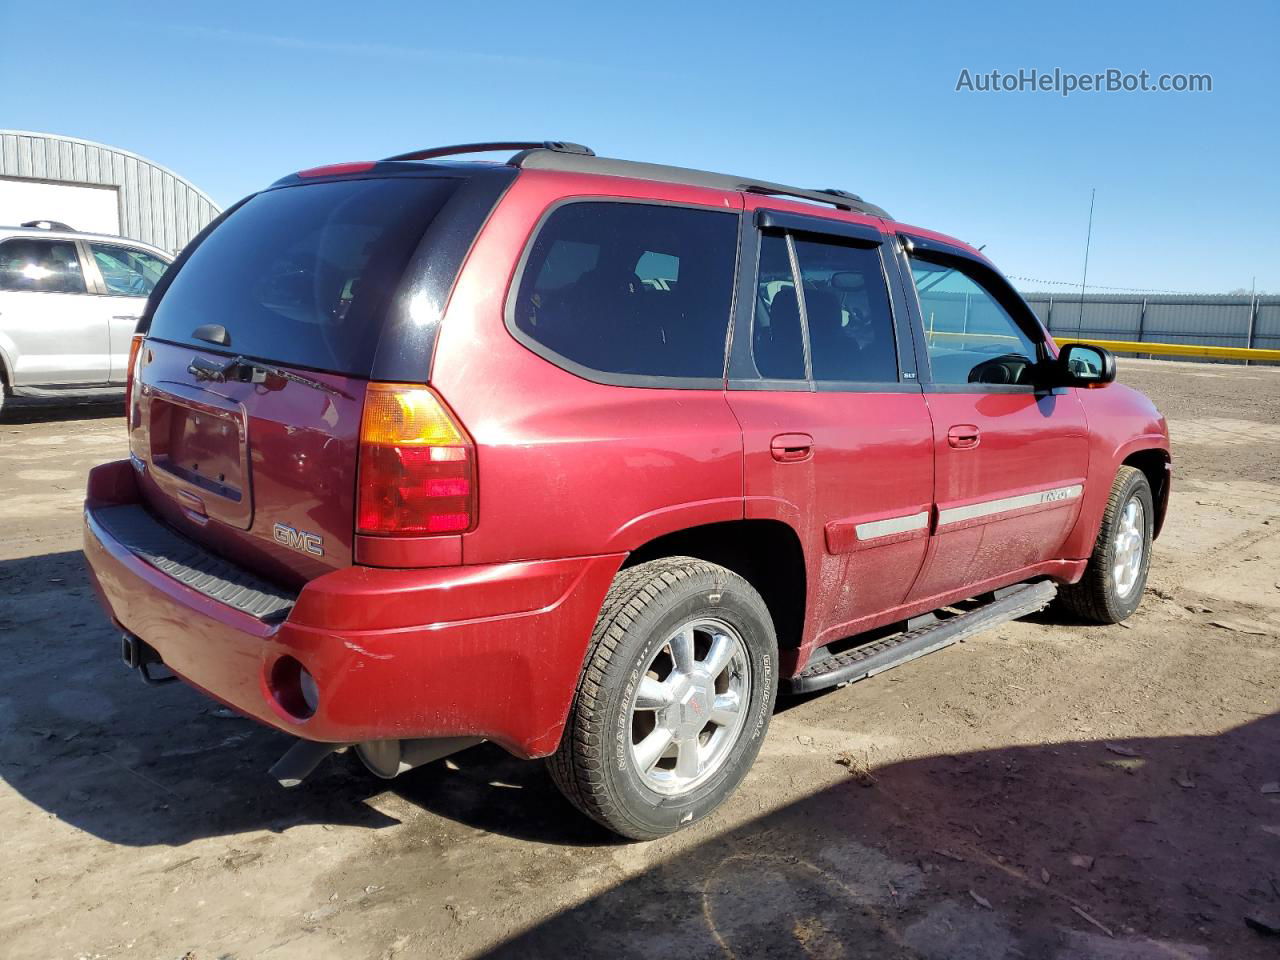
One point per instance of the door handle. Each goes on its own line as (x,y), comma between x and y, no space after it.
(791,447)
(964,436)
(193,507)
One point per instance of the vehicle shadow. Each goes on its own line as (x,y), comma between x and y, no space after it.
(84,739)
(1098,850)
(47,411)
(1167,842)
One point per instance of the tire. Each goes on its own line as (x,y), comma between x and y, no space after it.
(663,631)
(1103,595)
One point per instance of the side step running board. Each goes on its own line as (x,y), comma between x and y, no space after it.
(881,655)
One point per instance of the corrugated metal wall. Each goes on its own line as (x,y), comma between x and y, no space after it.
(1225,321)
(156,205)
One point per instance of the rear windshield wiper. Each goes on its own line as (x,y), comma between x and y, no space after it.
(244,370)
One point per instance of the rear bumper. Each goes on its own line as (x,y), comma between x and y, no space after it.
(488,651)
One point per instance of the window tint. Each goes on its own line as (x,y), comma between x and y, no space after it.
(630,288)
(304,275)
(40,266)
(566,262)
(777,338)
(846,305)
(127,272)
(970,336)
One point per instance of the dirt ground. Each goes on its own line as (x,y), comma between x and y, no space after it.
(1046,790)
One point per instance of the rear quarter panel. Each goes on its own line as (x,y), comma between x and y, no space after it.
(569,467)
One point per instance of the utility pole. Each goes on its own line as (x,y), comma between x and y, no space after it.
(1088,237)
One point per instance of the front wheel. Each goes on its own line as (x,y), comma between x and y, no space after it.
(1116,576)
(674,700)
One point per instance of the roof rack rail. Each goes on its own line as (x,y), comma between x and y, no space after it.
(840,193)
(539,158)
(48,225)
(840,199)
(556,146)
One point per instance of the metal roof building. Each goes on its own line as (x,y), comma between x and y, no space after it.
(90,186)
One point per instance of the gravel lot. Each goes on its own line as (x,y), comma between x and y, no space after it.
(1046,790)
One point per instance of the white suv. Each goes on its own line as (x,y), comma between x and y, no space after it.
(69,303)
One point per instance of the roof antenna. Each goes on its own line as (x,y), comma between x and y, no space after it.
(1088,237)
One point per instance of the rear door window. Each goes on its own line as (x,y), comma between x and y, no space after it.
(304,275)
(838,319)
(35,265)
(847,312)
(127,272)
(777,338)
(629,290)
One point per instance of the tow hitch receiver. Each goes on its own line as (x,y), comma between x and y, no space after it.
(139,655)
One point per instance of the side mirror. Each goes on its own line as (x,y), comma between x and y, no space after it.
(1084,365)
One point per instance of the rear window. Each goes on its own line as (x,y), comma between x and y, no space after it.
(630,290)
(304,275)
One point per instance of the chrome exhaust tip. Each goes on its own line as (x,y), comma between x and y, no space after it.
(390,758)
(301,760)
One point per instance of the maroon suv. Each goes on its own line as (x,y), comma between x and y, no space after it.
(591,458)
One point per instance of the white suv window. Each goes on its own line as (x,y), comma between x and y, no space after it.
(33,265)
(127,272)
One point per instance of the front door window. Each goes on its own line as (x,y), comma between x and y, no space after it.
(970,336)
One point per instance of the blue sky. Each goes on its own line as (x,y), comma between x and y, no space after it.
(851,95)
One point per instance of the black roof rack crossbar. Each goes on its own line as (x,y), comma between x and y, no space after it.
(556,146)
(538,158)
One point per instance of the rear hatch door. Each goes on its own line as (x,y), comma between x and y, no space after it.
(251,381)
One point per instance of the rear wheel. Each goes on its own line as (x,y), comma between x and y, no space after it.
(674,700)
(1116,576)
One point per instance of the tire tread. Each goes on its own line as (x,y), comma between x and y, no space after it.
(1091,598)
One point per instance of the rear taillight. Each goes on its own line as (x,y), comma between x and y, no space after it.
(417,465)
(131,377)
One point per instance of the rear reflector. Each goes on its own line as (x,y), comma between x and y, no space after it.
(338,169)
(417,465)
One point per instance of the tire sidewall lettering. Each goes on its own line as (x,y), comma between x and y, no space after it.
(765,710)
(623,715)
